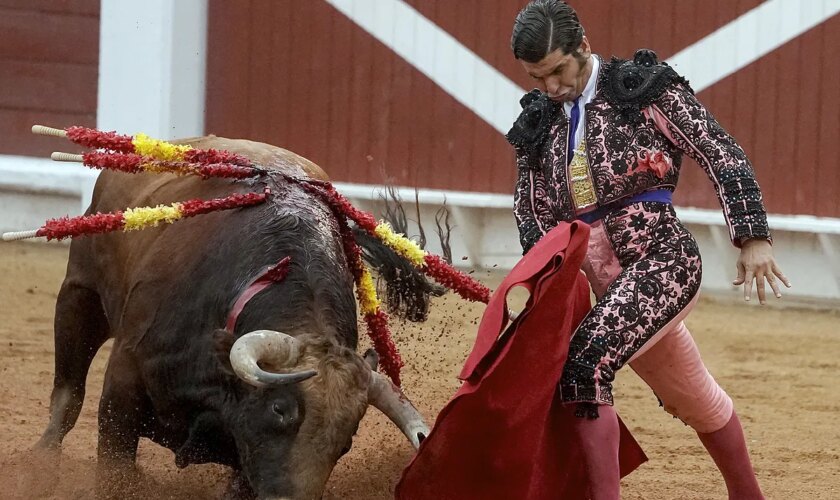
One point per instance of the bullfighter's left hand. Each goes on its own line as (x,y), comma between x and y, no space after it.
(757,263)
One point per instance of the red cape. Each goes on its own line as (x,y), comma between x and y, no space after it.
(501,436)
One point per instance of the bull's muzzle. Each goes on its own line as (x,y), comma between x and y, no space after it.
(267,346)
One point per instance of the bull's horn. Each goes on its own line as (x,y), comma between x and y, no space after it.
(266,345)
(391,401)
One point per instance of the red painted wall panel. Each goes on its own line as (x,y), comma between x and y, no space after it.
(308,79)
(828,152)
(49,55)
(305,77)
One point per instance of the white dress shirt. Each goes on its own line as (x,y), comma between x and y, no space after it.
(584,99)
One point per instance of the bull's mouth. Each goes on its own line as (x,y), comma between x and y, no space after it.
(240,489)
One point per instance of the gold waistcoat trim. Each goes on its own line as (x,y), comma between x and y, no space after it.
(580,180)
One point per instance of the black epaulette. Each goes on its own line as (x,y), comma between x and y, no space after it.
(531,128)
(633,85)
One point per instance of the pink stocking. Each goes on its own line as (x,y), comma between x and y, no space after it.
(598,439)
(729,451)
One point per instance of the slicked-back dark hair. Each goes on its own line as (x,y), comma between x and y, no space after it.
(544,26)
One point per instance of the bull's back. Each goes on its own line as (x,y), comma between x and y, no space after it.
(123,266)
(262,154)
(118,191)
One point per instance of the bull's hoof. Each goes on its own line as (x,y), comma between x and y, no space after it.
(117,481)
(239,489)
(48,443)
(36,472)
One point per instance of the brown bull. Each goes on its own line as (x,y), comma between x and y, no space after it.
(280,397)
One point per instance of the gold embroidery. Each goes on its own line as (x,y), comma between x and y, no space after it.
(583,192)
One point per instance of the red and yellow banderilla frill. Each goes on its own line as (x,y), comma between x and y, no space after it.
(143,145)
(141,153)
(133,219)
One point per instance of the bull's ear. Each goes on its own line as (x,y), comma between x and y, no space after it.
(222,343)
(371,359)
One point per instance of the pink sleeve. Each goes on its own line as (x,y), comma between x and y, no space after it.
(690,126)
(531,204)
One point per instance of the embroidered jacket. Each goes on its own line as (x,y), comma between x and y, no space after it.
(643,118)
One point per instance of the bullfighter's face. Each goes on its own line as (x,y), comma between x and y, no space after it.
(563,76)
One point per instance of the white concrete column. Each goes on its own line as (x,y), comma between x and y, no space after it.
(152,62)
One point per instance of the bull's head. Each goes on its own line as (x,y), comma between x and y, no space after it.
(293,426)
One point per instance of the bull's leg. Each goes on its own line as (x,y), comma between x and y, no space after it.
(80,330)
(121,411)
(238,488)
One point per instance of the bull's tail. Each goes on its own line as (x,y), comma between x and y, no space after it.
(407,290)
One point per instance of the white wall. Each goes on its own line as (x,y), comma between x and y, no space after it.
(808,248)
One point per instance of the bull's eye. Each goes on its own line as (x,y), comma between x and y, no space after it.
(278,410)
(287,413)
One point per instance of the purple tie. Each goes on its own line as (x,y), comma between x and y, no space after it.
(573,125)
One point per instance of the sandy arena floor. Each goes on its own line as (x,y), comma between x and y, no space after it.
(780,366)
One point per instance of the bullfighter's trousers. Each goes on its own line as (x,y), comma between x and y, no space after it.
(645,271)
